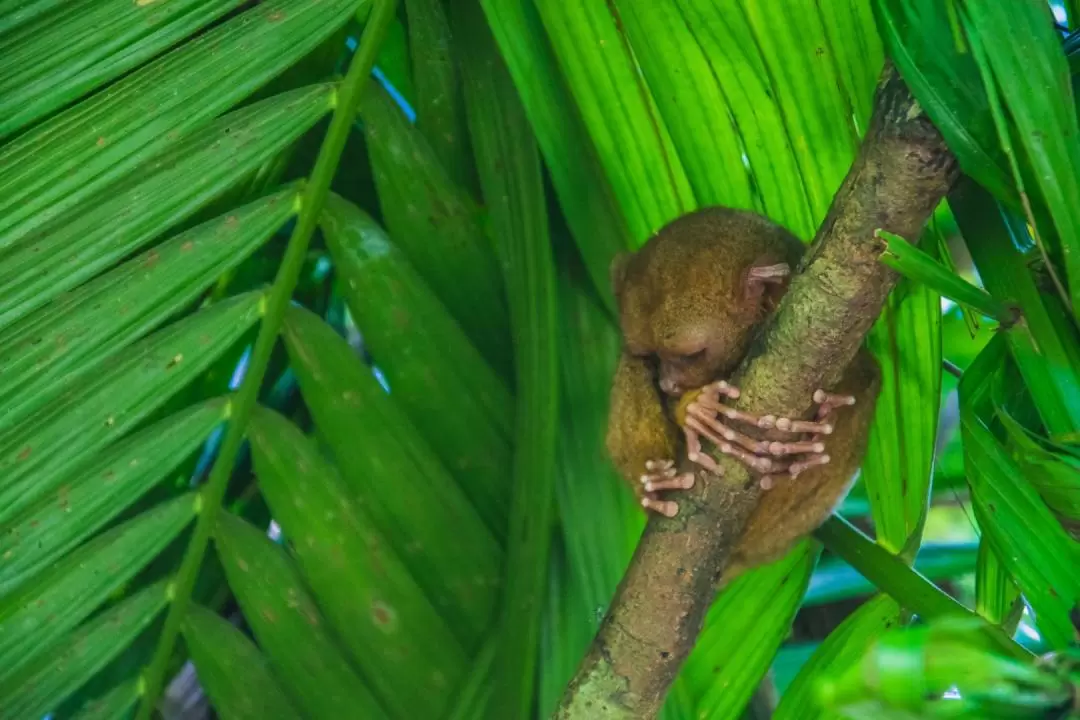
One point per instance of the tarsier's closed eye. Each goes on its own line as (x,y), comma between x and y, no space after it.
(688,358)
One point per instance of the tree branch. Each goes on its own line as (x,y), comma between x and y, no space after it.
(901,173)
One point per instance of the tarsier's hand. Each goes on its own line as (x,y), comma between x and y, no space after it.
(705,415)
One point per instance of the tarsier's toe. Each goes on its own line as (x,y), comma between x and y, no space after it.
(678,482)
(662,475)
(821,397)
(667,508)
(797,468)
(804,426)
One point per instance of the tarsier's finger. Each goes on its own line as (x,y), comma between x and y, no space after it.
(804,465)
(666,508)
(766,482)
(679,482)
(748,459)
(704,416)
(804,426)
(695,455)
(752,461)
(794,448)
(710,403)
(827,402)
(658,465)
(721,388)
(702,431)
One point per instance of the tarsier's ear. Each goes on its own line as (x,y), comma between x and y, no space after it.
(618,272)
(767,284)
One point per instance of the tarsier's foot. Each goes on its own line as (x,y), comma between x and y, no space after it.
(662,475)
(707,416)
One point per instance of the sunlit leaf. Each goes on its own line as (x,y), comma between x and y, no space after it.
(633,145)
(1024,54)
(995,591)
(585,194)
(899,461)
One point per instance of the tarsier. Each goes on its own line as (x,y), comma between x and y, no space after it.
(690,303)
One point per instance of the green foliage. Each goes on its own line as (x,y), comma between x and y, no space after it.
(428,434)
(906,674)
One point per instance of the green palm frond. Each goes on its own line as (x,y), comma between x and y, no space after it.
(428,435)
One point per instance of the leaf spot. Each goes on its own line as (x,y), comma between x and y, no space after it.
(382,614)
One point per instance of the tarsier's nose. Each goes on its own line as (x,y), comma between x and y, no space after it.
(669,386)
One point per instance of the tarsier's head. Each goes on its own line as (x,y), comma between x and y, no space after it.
(691,298)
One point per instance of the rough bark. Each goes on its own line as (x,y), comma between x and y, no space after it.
(902,171)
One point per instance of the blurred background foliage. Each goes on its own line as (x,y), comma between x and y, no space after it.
(421,521)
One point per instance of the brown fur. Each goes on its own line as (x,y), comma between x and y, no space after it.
(687,313)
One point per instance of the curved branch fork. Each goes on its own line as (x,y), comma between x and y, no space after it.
(902,171)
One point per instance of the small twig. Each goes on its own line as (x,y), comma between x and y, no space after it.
(902,172)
